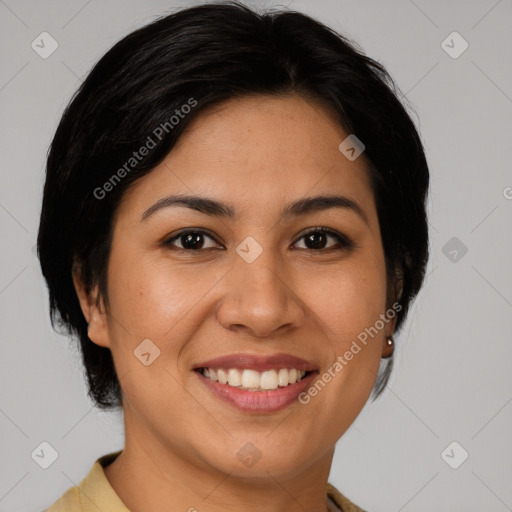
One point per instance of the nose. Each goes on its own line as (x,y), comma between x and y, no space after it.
(260,299)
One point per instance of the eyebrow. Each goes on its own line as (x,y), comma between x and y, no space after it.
(218,209)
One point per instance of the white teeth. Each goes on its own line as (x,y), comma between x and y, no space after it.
(222,376)
(268,380)
(253,380)
(250,379)
(234,378)
(282,377)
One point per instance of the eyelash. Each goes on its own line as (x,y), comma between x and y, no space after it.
(344,242)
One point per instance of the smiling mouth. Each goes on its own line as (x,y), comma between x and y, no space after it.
(253,380)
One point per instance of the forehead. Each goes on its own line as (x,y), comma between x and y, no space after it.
(258,150)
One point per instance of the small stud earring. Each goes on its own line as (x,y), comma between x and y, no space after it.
(390,341)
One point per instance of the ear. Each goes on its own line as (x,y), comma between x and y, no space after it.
(93,311)
(387,350)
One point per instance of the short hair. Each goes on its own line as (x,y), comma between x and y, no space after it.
(202,56)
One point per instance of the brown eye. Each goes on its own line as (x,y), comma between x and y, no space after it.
(191,240)
(318,239)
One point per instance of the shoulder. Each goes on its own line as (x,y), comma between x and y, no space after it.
(68,502)
(92,493)
(342,501)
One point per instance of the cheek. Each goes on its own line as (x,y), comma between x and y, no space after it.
(148,295)
(349,298)
(149,301)
(152,299)
(349,308)
(348,302)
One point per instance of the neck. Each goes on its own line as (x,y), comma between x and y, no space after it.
(148,474)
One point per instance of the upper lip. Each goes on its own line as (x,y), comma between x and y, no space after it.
(259,363)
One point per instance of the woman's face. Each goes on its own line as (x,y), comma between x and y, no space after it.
(258,287)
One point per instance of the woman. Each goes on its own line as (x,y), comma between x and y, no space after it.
(234,227)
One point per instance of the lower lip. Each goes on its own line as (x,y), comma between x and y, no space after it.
(258,401)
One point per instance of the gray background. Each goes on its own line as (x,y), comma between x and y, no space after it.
(452,379)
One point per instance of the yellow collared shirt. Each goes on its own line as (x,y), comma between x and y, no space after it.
(95,493)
